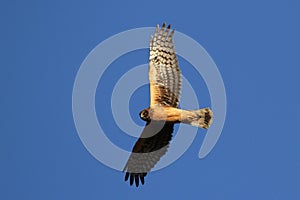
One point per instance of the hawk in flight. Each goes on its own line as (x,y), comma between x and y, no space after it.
(163,113)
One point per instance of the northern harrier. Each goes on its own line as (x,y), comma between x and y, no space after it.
(163,113)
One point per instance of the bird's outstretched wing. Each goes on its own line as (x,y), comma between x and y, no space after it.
(164,73)
(148,150)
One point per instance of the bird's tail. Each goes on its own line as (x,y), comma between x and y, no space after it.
(200,118)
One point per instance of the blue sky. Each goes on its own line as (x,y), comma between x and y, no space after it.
(255,45)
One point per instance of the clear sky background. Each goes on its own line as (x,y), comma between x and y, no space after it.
(255,45)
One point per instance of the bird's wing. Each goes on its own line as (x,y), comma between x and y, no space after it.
(147,151)
(164,72)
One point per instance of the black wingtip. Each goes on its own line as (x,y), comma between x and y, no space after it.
(126,176)
(142,177)
(136,177)
(169,26)
(142,180)
(131,179)
(164,25)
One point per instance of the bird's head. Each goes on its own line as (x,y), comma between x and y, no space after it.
(145,115)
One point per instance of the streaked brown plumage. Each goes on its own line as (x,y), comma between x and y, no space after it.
(163,113)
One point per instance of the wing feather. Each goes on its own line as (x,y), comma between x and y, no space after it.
(147,151)
(164,72)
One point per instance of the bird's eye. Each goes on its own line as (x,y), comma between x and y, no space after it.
(145,113)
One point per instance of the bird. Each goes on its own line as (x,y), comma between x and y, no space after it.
(165,87)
